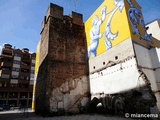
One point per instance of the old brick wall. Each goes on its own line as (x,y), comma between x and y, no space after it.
(44,41)
(63,62)
(67,56)
(67,51)
(42,76)
(41,97)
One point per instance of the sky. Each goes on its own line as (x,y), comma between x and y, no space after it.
(20,20)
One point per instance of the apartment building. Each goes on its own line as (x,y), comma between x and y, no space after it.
(16,76)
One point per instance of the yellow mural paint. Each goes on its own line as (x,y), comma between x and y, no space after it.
(113,22)
(35,75)
(113,29)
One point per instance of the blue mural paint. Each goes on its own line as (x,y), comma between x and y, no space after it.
(134,15)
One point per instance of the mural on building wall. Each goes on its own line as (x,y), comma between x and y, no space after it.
(95,33)
(104,29)
(136,19)
(108,35)
(113,22)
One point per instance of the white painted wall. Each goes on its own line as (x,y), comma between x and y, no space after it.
(154,29)
(116,80)
(122,51)
(124,76)
(148,59)
(121,77)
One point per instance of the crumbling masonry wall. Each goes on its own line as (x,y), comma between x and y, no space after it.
(63,64)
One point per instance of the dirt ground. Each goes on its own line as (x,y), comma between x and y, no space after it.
(33,116)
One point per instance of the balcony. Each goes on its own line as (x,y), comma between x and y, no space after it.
(4,86)
(6,56)
(3,98)
(4,80)
(6,64)
(25,65)
(7,52)
(23,82)
(8,72)
(25,89)
(26,58)
(13,95)
(24,72)
(4,76)
(5,70)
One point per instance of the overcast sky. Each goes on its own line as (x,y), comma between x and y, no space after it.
(20,20)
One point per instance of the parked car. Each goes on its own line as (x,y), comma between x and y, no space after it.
(4,107)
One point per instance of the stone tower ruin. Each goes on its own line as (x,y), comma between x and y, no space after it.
(62,83)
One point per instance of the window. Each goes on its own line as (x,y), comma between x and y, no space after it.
(6,60)
(25,70)
(18,55)
(7,53)
(27,78)
(15,69)
(3,84)
(23,85)
(32,71)
(5,76)
(32,78)
(31,86)
(5,68)
(33,64)
(16,62)
(30,94)
(24,77)
(26,57)
(14,77)
(25,63)
(33,58)
(13,85)
(13,95)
